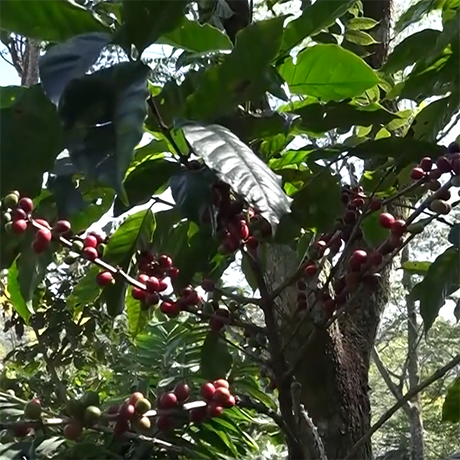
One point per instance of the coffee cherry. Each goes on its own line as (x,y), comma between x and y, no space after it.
(21,430)
(417,173)
(136,396)
(18,214)
(167,401)
(456,166)
(194,298)
(91,242)
(90,253)
(120,428)
(398,227)
(19,227)
(229,403)
(208,285)
(207,391)
(143,424)
(310,269)
(11,200)
(43,235)
(162,285)
(440,207)
(173,273)
(127,412)
(92,415)
(221,395)
(164,422)
(359,256)
(33,410)
(152,299)
(221,383)
(77,246)
(198,415)
(171,309)
(138,294)
(165,262)
(376,258)
(62,226)
(426,164)
(434,185)
(104,279)
(72,431)
(182,392)
(375,204)
(152,284)
(386,220)
(252,243)
(39,246)
(26,204)
(214,410)
(216,323)
(142,406)
(443,164)
(443,195)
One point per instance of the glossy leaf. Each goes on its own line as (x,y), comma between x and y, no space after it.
(138,317)
(51,20)
(329,73)
(9,95)
(373,232)
(441,280)
(103,115)
(134,234)
(454,235)
(113,297)
(22,308)
(216,360)
(145,21)
(415,13)
(451,405)
(416,268)
(31,137)
(314,18)
(68,60)
(84,292)
(196,37)
(236,164)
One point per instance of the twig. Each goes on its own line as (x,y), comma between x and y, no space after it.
(407,397)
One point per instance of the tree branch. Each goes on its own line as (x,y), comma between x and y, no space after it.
(407,397)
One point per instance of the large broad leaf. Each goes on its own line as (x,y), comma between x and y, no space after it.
(69,60)
(31,270)
(411,49)
(415,13)
(195,37)
(441,280)
(145,21)
(373,232)
(30,141)
(50,20)
(134,234)
(451,405)
(9,95)
(103,116)
(242,74)
(314,18)
(329,73)
(216,360)
(324,117)
(84,292)
(415,267)
(148,178)
(14,290)
(317,204)
(236,164)
(114,298)
(138,317)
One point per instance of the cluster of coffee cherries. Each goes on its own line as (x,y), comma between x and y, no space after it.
(17,218)
(237,226)
(135,414)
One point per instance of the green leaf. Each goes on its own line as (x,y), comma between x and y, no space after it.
(430,121)
(196,37)
(137,316)
(241,74)
(52,20)
(103,115)
(441,280)
(237,165)
(359,37)
(134,234)
(416,268)
(65,61)
(31,270)
(320,118)
(415,13)
(317,204)
(84,292)
(329,73)
(361,23)
(410,50)
(216,360)
(373,232)
(451,405)
(114,297)
(23,309)
(148,178)
(454,235)
(9,95)
(32,138)
(145,21)
(248,272)
(314,18)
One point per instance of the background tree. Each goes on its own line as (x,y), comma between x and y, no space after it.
(319,273)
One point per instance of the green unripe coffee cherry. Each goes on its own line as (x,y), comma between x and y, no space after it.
(142,406)
(416,228)
(7,217)
(101,249)
(71,258)
(77,246)
(91,398)
(75,409)
(9,227)
(33,410)
(11,200)
(92,415)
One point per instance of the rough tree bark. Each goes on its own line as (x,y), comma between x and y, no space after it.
(333,369)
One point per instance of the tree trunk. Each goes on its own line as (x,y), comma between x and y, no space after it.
(334,365)
(414,412)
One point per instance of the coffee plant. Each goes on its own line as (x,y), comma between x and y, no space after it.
(141,347)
